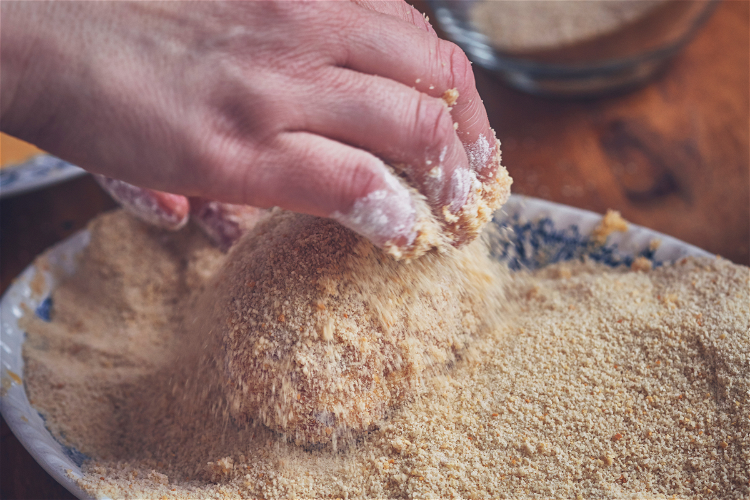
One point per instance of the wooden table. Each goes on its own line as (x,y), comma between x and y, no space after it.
(673,156)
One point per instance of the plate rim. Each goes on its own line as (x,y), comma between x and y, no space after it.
(39,171)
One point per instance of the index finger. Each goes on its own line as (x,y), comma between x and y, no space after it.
(419,59)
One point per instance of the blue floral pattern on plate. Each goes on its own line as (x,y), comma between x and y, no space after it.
(535,244)
(40,171)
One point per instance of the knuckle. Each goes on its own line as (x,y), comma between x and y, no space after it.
(357,179)
(226,166)
(458,66)
(337,82)
(433,123)
(413,16)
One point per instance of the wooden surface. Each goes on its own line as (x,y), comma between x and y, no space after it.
(673,156)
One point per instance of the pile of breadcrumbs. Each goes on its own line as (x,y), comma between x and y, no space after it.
(596,383)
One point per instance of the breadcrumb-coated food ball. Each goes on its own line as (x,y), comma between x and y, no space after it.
(322,332)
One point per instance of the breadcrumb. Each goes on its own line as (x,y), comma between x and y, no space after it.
(527,409)
(610,223)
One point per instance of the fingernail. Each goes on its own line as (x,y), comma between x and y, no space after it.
(165,210)
(224,223)
(386,216)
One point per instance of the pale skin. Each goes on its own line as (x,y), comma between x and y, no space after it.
(277,103)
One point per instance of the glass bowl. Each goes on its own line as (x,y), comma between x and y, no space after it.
(572,48)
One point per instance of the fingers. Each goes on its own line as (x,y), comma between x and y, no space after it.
(224,223)
(319,176)
(407,129)
(169,211)
(430,65)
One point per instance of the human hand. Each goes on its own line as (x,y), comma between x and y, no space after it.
(223,223)
(290,104)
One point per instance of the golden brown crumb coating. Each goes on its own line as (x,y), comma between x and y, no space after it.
(322,332)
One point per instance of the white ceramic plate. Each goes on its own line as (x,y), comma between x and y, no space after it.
(39,171)
(535,233)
